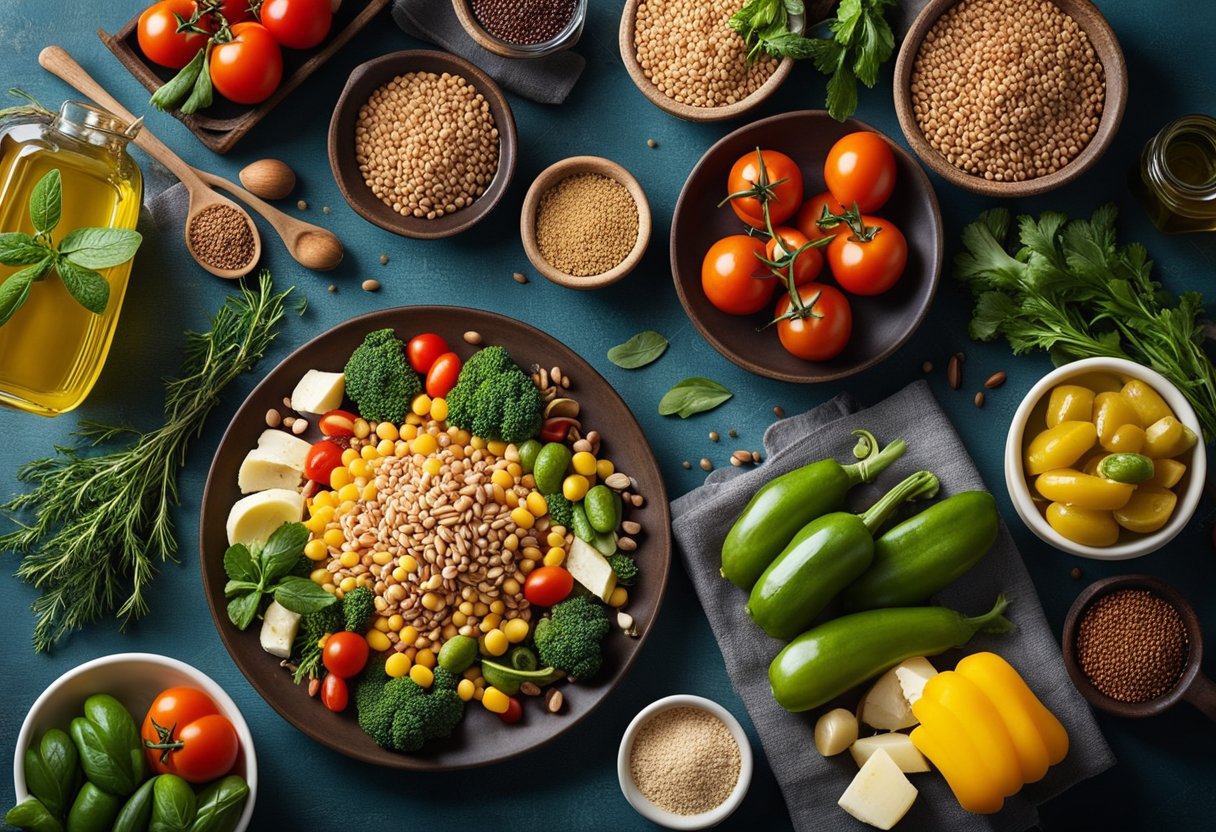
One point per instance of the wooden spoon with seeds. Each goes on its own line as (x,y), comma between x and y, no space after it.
(58,62)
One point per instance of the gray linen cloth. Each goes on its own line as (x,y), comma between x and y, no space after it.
(547,80)
(810,783)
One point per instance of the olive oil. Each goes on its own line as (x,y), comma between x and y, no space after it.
(1177,181)
(52,350)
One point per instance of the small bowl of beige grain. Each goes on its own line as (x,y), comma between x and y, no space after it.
(585,222)
(685,763)
(1010,98)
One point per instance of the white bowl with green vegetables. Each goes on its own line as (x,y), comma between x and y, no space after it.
(135,680)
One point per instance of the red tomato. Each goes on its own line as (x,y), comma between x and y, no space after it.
(812,211)
(861,168)
(234,11)
(441,378)
(557,428)
(158,37)
(872,266)
(822,334)
(548,585)
(322,459)
(184,734)
(338,423)
(422,350)
(807,265)
(786,197)
(734,278)
(248,68)
(345,654)
(297,24)
(335,695)
(514,712)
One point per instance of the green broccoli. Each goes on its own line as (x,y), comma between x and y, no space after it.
(561,510)
(425,718)
(487,362)
(400,715)
(494,398)
(307,647)
(444,679)
(358,609)
(570,638)
(625,567)
(379,379)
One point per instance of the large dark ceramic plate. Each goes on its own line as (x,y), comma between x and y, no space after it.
(482,738)
(880,324)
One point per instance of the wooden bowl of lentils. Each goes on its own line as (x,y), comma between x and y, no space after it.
(1010,98)
(404,161)
(522,28)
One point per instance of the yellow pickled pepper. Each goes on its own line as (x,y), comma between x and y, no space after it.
(1167,437)
(1146,401)
(1060,446)
(1066,485)
(1148,509)
(1069,403)
(1111,412)
(1087,526)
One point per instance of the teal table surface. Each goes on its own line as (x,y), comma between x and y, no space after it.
(1166,766)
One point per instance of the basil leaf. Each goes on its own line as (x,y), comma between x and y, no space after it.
(174,91)
(302,595)
(15,290)
(20,249)
(100,248)
(46,202)
(90,289)
(640,350)
(50,770)
(239,564)
(282,551)
(220,804)
(244,608)
(200,93)
(692,395)
(173,805)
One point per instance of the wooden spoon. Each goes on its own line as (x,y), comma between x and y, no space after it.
(58,62)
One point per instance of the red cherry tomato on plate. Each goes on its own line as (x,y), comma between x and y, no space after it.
(193,740)
(345,654)
(514,712)
(861,168)
(548,585)
(822,334)
(787,196)
(297,24)
(335,694)
(337,423)
(422,350)
(441,378)
(812,211)
(248,68)
(557,428)
(158,37)
(733,277)
(322,459)
(235,11)
(807,265)
(870,266)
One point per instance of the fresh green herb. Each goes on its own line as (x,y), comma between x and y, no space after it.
(100,523)
(1071,290)
(861,41)
(75,259)
(31,107)
(265,569)
(640,350)
(692,395)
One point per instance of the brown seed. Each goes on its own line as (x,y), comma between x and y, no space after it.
(954,372)
(331,288)
(686,464)
(926,367)
(273,418)
(371,285)
(638,500)
(713,436)
(779,411)
(472,337)
(1075,573)
(314,685)
(734,460)
(631,527)
(732,433)
(302,205)
(554,700)
(755,456)
(383,259)
(617,481)
(268,178)
(519,277)
(651,143)
(324,209)
(289,421)
(529,689)
(995,380)
(299,426)
(706,465)
(979,399)
(742,456)
(627,544)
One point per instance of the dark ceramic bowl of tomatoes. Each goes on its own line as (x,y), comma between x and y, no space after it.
(863,292)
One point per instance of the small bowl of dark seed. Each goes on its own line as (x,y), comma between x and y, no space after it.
(1133,647)
(525,29)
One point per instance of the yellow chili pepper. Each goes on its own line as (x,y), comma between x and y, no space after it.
(1069,403)
(1167,437)
(1065,485)
(1166,473)
(1059,446)
(1126,439)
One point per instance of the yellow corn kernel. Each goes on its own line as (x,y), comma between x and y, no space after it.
(1064,485)
(522,518)
(348,584)
(357,467)
(466,607)
(477,443)
(604,468)
(1148,509)
(433,466)
(514,469)
(422,675)
(400,575)
(619,597)
(409,635)
(382,558)
(516,630)
(511,543)
(397,665)
(496,642)
(1059,446)
(365,580)
(1111,412)
(421,405)
(378,641)
(1086,526)
(496,447)
(478,693)
(408,563)
(465,688)
(472,673)
(495,701)
(439,409)
(334,537)
(426,658)
(1070,403)
(425,444)
(319,576)
(479,680)
(459,619)
(386,447)
(556,539)
(369,452)
(336,591)
(413,419)
(316,549)
(362,428)
(350,455)
(1125,439)
(350,491)
(431,601)
(480,609)
(1167,437)
(339,477)
(574,487)
(536,504)
(583,463)
(510,586)
(349,559)
(1166,473)
(408,432)
(526,566)
(1146,401)
(401,448)
(381,624)
(490,621)
(346,507)
(532,552)
(387,430)
(556,556)
(325,499)
(498,607)
(325,514)
(502,479)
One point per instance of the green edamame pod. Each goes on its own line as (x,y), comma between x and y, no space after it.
(784,505)
(840,654)
(137,811)
(109,745)
(93,810)
(579,525)
(51,770)
(173,805)
(220,805)
(32,815)
(601,507)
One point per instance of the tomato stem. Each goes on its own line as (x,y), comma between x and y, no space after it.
(165,740)
(852,218)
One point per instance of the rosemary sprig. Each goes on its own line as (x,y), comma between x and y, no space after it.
(102,523)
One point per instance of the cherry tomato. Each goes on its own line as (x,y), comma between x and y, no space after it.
(733,277)
(422,350)
(235,11)
(248,68)
(184,734)
(297,24)
(812,211)
(557,428)
(441,378)
(548,585)
(158,37)
(335,695)
(786,197)
(824,333)
(514,712)
(860,168)
(807,265)
(869,267)
(345,654)
(322,459)
(338,423)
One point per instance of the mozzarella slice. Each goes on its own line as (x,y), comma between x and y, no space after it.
(886,706)
(912,676)
(277,462)
(318,392)
(899,746)
(591,569)
(279,630)
(880,794)
(254,518)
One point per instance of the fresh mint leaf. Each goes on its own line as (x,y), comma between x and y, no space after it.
(240,588)
(640,350)
(244,608)
(20,249)
(88,287)
(100,248)
(691,396)
(300,595)
(282,551)
(16,289)
(239,564)
(46,202)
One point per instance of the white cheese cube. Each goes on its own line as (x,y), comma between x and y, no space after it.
(591,569)
(254,518)
(279,630)
(318,392)
(277,462)
(886,706)
(880,794)
(912,675)
(899,746)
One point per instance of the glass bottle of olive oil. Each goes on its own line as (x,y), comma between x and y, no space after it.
(52,349)
(1177,176)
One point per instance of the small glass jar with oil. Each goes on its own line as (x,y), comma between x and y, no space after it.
(1177,183)
(52,349)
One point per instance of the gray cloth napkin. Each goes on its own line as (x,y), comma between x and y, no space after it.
(810,783)
(547,80)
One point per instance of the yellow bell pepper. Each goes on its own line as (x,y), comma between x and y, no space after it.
(1166,473)
(1069,403)
(1065,485)
(1148,509)
(1111,412)
(941,737)
(981,721)
(1083,525)
(1059,446)
(1126,439)
(1167,437)
(1147,403)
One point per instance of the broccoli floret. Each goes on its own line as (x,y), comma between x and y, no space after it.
(561,510)
(570,638)
(379,379)
(444,679)
(494,398)
(625,567)
(358,608)
(379,699)
(307,646)
(399,715)
(426,718)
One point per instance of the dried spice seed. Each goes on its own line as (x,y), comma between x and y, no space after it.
(302,205)
(713,436)
(273,418)
(1132,645)
(954,372)
(779,412)
(519,277)
(221,238)
(383,259)
(473,337)
(685,760)
(331,288)
(706,465)
(732,433)
(1075,573)
(979,399)
(371,285)
(586,224)
(525,22)
(926,367)
(995,380)
(687,465)
(651,143)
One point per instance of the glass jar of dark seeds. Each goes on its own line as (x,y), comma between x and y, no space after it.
(527,28)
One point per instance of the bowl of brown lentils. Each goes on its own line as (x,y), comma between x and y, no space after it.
(1010,98)
(422,143)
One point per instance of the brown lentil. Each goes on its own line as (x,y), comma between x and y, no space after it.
(979,399)
(687,49)
(996,380)
(221,238)
(519,277)
(1008,90)
(427,144)
(685,760)
(1132,645)
(526,22)
(586,224)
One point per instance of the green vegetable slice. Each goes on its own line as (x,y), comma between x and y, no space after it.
(642,349)
(691,396)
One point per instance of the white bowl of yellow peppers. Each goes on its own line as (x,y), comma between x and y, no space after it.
(1105,459)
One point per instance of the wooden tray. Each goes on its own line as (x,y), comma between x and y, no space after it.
(225,123)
